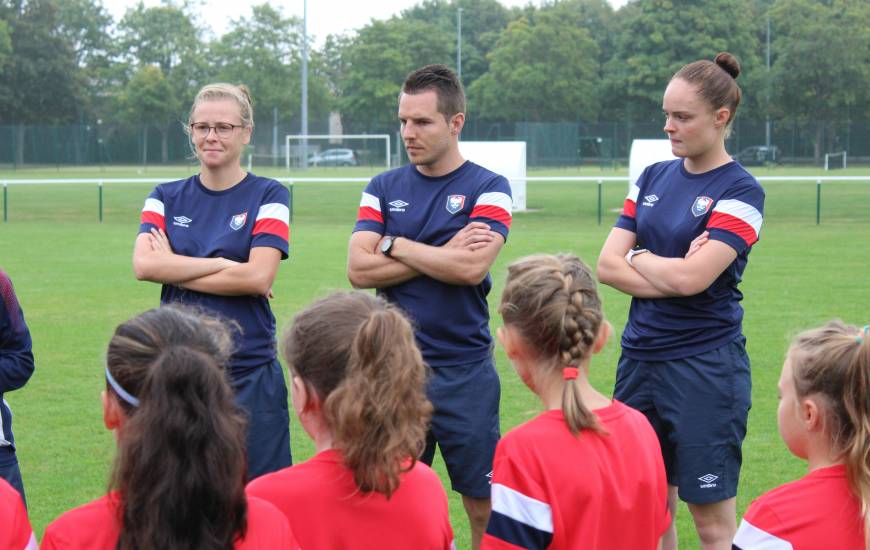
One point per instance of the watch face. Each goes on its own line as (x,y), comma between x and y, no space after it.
(387,245)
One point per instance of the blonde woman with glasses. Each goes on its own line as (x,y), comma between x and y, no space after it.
(214,240)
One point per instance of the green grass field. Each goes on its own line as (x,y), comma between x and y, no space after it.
(74,280)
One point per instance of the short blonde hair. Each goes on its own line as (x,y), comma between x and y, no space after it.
(222,90)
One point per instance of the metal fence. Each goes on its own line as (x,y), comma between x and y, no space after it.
(575,143)
(290,182)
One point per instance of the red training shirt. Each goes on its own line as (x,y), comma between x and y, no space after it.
(94,526)
(552,489)
(327,511)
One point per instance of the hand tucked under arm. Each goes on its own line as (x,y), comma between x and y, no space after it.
(614,271)
(154,260)
(464,260)
(367,267)
(252,278)
(702,265)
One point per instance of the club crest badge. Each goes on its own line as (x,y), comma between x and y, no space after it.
(455,203)
(701,206)
(238,221)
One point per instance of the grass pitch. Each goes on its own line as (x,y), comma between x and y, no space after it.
(75,283)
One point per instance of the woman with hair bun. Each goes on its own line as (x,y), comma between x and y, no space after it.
(679,249)
(179,475)
(214,240)
(358,388)
(824,418)
(587,472)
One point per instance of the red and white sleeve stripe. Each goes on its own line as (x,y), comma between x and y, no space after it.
(153,213)
(370,209)
(629,207)
(737,217)
(273,218)
(495,206)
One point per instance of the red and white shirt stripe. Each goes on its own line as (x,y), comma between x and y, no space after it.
(153,213)
(370,209)
(495,206)
(737,217)
(629,207)
(274,219)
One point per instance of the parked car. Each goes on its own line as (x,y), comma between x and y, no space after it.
(334,157)
(758,155)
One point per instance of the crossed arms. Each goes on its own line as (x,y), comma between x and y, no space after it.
(154,260)
(651,276)
(464,260)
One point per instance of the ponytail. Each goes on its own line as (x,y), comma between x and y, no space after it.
(857,401)
(833,362)
(553,302)
(359,356)
(180,467)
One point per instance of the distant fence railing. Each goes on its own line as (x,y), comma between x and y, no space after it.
(290,182)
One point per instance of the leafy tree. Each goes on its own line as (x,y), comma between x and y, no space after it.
(265,53)
(148,101)
(821,70)
(482,22)
(40,81)
(541,69)
(377,60)
(657,37)
(164,36)
(5,44)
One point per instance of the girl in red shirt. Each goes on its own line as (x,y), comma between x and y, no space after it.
(587,472)
(179,474)
(358,388)
(824,418)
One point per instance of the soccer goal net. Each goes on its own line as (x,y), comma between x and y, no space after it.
(835,160)
(322,150)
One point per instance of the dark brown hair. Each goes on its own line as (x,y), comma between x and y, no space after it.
(445,84)
(715,81)
(357,353)
(180,467)
(553,302)
(832,363)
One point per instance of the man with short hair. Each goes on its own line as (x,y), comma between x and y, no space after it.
(425,237)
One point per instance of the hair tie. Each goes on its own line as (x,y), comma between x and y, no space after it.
(860,337)
(570,373)
(122,393)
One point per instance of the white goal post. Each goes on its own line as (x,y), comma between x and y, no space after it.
(831,160)
(334,139)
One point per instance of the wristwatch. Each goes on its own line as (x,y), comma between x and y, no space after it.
(634,252)
(387,246)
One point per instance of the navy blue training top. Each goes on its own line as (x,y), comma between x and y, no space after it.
(451,321)
(667,208)
(16,353)
(202,223)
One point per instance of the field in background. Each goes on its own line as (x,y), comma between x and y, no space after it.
(75,283)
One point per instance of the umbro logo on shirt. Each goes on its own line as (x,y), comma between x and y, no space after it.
(398,205)
(181,221)
(708,480)
(649,200)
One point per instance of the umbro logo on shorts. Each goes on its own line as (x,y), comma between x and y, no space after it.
(181,221)
(708,480)
(398,205)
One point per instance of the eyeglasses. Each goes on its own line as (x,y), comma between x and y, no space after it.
(223,129)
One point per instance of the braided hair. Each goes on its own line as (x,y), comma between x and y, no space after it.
(553,302)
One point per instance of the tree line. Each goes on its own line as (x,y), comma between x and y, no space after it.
(69,62)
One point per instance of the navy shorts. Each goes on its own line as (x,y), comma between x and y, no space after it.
(698,407)
(9,469)
(262,395)
(465,424)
